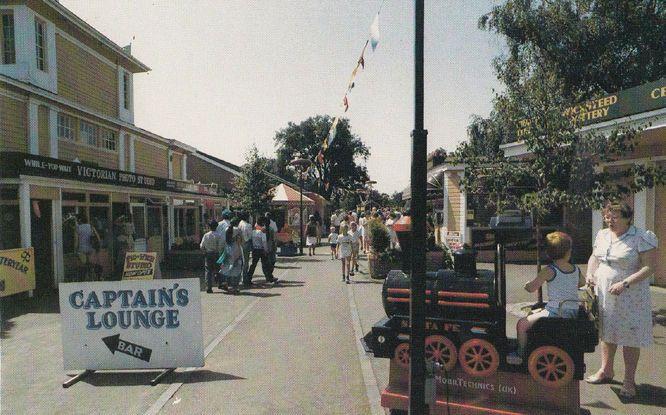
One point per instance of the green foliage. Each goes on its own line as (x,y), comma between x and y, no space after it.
(252,189)
(379,236)
(561,53)
(341,168)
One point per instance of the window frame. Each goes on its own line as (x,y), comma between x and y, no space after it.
(8,50)
(41,47)
(66,124)
(86,128)
(127,85)
(108,139)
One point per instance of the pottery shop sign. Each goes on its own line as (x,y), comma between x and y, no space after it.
(139,265)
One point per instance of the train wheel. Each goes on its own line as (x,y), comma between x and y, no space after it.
(478,357)
(401,354)
(551,366)
(439,349)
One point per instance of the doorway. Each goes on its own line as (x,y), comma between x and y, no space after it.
(41,236)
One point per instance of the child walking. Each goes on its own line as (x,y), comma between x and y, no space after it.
(345,252)
(563,280)
(333,241)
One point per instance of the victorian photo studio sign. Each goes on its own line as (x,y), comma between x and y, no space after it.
(149,324)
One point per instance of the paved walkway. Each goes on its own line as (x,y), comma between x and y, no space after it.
(288,349)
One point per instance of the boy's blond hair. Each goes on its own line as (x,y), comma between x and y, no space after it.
(558,244)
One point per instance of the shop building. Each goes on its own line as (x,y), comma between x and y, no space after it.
(69,146)
(642,107)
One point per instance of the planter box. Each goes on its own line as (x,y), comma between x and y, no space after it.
(434,260)
(288,250)
(378,268)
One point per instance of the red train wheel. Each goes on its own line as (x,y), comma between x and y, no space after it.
(551,366)
(478,357)
(439,349)
(401,355)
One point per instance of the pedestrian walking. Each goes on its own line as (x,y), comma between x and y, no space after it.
(245,230)
(232,264)
(344,252)
(311,235)
(355,235)
(271,232)
(87,243)
(224,224)
(333,242)
(211,245)
(259,253)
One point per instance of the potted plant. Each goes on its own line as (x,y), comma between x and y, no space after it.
(379,258)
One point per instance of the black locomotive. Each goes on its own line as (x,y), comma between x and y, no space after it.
(466,323)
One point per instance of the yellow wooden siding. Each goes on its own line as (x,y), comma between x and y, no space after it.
(150,160)
(43,131)
(68,150)
(455,199)
(660,230)
(85,79)
(13,125)
(177,166)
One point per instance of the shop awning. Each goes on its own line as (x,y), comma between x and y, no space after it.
(285,195)
(434,189)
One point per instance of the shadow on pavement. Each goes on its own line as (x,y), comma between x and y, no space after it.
(287,267)
(367,282)
(649,395)
(144,378)
(20,304)
(659,317)
(599,404)
(304,258)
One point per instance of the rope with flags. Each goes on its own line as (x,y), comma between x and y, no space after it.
(373,41)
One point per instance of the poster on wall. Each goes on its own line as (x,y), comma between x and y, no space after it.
(139,265)
(131,324)
(17,271)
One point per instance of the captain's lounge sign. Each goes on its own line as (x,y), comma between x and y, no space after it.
(13,164)
(642,98)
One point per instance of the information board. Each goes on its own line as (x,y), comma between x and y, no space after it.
(17,271)
(152,324)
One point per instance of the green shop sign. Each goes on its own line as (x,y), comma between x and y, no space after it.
(631,101)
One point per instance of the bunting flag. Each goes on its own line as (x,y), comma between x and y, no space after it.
(373,40)
(374,32)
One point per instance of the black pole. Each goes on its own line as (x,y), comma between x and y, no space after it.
(300,219)
(417,367)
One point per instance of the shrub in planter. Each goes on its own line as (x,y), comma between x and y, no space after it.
(380,258)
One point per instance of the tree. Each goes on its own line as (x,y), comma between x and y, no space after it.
(252,189)
(340,168)
(562,52)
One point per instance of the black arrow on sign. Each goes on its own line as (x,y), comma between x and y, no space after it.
(114,343)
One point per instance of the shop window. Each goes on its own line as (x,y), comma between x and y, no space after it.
(8,39)
(99,219)
(139,218)
(69,214)
(65,127)
(89,133)
(10,229)
(96,198)
(78,197)
(154,222)
(108,139)
(40,44)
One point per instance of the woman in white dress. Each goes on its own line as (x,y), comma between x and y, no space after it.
(345,252)
(620,266)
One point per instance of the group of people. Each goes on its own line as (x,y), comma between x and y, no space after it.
(227,247)
(619,268)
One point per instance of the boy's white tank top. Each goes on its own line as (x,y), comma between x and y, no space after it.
(563,286)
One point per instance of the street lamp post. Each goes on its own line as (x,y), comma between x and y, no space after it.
(300,164)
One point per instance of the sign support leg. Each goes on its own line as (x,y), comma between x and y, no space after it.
(159,377)
(69,382)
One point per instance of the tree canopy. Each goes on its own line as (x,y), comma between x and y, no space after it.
(562,52)
(341,167)
(252,189)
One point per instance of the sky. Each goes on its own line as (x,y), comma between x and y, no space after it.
(228,74)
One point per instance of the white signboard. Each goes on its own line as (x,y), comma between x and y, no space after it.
(148,324)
